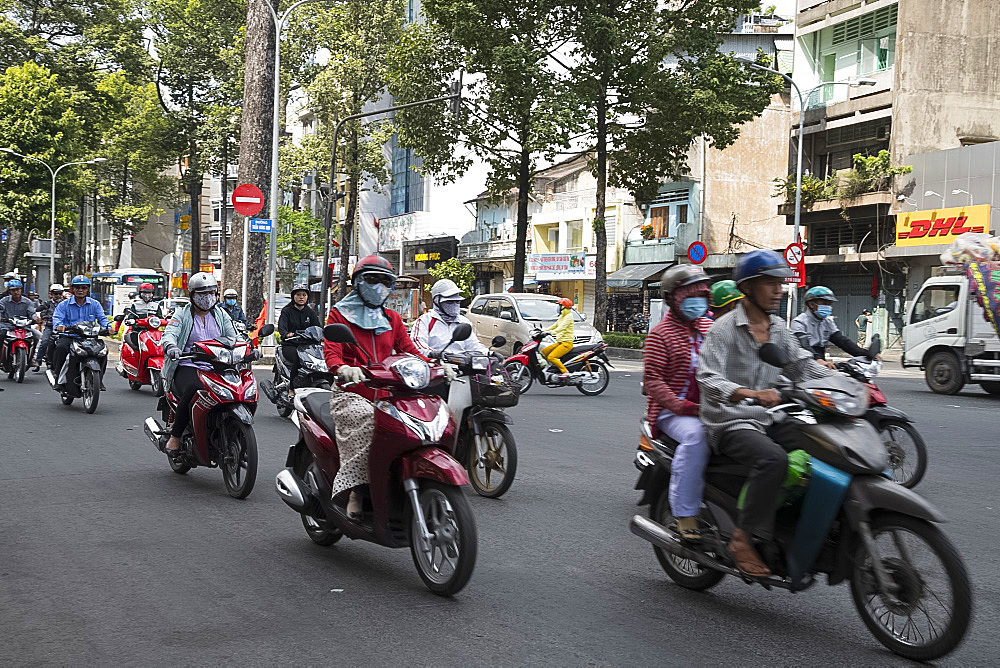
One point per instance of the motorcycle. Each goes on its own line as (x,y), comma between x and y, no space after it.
(312,371)
(477,398)
(587,365)
(18,345)
(80,374)
(850,523)
(220,433)
(415,496)
(141,356)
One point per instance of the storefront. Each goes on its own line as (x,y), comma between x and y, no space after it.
(630,289)
(420,255)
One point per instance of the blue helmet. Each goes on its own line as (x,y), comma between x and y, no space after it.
(14,283)
(761,263)
(80,280)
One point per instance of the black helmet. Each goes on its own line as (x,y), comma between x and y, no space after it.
(681,274)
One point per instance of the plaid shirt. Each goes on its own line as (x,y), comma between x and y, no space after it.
(730,361)
(667,364)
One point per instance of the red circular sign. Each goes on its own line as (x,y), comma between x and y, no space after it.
(248,200)
(697,252)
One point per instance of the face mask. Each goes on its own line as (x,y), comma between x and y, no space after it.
(147,297)
(373,295)
(230,302)
(449,310)
(204,300)
(693,308)
(824,311)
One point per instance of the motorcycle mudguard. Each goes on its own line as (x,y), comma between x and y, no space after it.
(879,414)
(872,493)
(155,363)
(243,414)
(652,479)
(520,357)
(91,363)
(18,343)
(494,414)
(433,464)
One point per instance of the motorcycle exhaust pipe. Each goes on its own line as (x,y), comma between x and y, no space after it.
(658,535)
(293,491)
(267,387)
(154,430)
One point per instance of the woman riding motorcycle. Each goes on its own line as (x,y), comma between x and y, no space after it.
(201,320)
(432,331)
(562,329)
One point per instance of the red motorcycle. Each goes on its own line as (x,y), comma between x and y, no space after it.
(587,365)
(141,358)
(221,429)
(415,496)
(17,347)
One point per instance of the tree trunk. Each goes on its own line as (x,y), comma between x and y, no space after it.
(523,190)
(118,248)
(255,154)
(600,231)
(347,231)
(14,237)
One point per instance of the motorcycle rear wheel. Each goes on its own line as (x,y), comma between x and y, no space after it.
(91,389)
(454,543)
(20,364)
(499,456)
(915,596)
(598,386)
(239,458)
(907,452)
(134,385)
(520,376)
(688,574)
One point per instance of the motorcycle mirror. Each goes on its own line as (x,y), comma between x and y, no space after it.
(498,341)
(119,318)
(266,330)
(773,355)
(462,332)
(876,346)
(339,333)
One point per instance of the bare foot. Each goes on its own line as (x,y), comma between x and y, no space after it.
(173,444)
(354,509)
(746,557)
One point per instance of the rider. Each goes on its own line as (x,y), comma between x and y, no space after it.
(143,306)
(46,311)
(725,294)
(232,307)
(201,320)
(379,333)
(69,312)
(296,316)
(432,331)
(730,370)
(562,329)
(16,305)
(670,361)
(816,328)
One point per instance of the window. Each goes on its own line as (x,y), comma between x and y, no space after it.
(478,306)
(407,190)
(507,307)
(682,214)
(934,301)
(660,217)
(492,308)
(668,210)
(575,233)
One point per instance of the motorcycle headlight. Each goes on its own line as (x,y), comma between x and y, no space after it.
(78,349)
(154,322)
(414,372)
(479,363)
(225,356)
(251,392)
(837,402)
(221,391)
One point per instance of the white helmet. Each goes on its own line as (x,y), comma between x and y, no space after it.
(446,290)
(202,282)
(56,287)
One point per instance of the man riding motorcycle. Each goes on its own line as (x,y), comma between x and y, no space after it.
(725,295)
(16,305)
(201,320)
(731,371)
(143,306)
(295,316)
(80,308)
(432,330)
(231,306)
(816,328)
(45,312)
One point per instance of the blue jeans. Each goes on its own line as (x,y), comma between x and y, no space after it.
(43,344)
(687,473)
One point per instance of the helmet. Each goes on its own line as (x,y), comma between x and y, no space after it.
(820,292)
(681,274)
(80,280)
(372,263)
(300,287)
(446,290)
(724,292)
(230,293)
(761,263)
(146,287)
(14,283)
(565,303)
(56,287)
(202,282)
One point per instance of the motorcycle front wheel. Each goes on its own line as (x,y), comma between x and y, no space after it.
(318,534)
(446,562)
(928,614)
(156,381)
(21,364)
(907,452)
(91,389)
(492,460)
(520,376)
(281,403)
(599,384)
(239,458)
(688,574)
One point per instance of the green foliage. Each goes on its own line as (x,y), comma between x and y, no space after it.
(625,340)
(870,174)
(463,274)
(300,235)
(813,189)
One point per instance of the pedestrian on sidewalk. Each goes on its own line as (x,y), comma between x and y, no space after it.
(862,323)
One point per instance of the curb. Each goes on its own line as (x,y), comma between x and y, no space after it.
(624,353)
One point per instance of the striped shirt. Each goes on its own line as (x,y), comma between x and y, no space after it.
(668,362)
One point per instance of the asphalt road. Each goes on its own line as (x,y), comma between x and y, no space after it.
(107,557)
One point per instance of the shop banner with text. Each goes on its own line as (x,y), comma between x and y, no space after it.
(562,266)
(940,226)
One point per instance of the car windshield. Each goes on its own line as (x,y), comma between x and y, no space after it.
(542,309)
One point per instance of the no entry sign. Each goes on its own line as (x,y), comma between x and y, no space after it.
(248,200)
(697,252)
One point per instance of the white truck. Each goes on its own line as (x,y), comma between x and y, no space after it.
(946,335)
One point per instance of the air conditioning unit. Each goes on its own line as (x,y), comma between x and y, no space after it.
(847,250)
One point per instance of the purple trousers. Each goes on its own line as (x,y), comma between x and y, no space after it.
(687,474)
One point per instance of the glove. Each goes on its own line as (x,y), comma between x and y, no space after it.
(173,352)
(256,354)
(350,374)
(449,372)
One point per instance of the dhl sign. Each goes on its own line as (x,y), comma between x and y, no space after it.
(940,226)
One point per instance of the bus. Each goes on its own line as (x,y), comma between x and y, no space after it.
(111,288)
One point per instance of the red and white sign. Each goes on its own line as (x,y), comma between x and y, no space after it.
(697,252)
(248,200)
(795,256)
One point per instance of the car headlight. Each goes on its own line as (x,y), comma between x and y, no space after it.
(221,391)
(414,372)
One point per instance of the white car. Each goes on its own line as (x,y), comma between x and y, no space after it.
(513,315)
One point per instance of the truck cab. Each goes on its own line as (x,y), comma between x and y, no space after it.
(947,336)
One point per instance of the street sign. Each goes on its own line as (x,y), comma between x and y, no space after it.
(697,252)
(185,221)
(207,267)
(248,200)
(796,258)
(260,225)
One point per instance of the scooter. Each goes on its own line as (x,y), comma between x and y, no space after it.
(220,433)
(477,398)
(141,356)
(18,345)
(80,374)
(850,523)
(587,366)
(415,496)
(312,371)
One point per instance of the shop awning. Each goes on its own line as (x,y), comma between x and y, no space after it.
(634,275)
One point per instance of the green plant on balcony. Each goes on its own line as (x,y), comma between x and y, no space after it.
(647,231)
(813,189)
(871,174)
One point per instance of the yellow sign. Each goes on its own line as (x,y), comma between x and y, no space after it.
(185,221)
(177,282)
(208,267)
(424,257)
(940,226)
(187,260)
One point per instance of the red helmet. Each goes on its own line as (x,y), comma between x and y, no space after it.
(566,303)
(372,264)
(146,287)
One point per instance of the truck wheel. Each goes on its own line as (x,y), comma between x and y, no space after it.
(943,373)
(991,386)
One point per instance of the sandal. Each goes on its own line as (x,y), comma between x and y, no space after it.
(687,529)
(745,557)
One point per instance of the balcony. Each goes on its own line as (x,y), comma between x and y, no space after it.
(645,251)
(490,251)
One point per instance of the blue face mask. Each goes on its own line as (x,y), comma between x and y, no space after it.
(824,311)
(693,308)
(230,302)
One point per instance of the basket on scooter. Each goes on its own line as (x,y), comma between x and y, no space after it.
(490,394)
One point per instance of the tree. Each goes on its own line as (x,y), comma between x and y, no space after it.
(516,109)
(654,80)
(456,270)
(300,235)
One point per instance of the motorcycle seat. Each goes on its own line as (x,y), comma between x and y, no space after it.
(576,350)
(317,405)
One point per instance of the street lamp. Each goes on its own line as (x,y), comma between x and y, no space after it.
(959,191)
(931,193)
(54,173)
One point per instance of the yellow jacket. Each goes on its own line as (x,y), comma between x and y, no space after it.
(563,327)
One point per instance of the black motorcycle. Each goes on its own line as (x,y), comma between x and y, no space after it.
(312,371)
(80,374)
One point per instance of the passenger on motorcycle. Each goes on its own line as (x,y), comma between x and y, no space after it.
(670,361)
(816,328)
(731,371)
(201,320)
(295,316)
(46,311)
(380,333)
(725,295)
(562,329)
(432,331)
(69,312)
(16,305)
(232,307)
